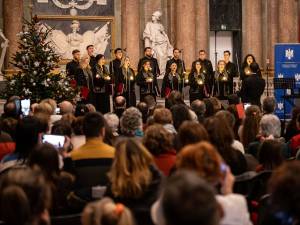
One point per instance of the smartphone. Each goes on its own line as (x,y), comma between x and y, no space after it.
(18,106)
(246,105)
(25,106)
(56,140)
(57,111)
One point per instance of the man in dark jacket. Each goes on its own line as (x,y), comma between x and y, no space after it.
(253,86)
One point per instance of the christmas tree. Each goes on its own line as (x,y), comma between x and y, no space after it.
(38,76)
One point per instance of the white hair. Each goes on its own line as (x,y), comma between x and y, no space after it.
(270,125)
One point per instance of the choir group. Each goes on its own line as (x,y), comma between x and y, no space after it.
(97,82)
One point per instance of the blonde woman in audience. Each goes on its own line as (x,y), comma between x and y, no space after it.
(106,212)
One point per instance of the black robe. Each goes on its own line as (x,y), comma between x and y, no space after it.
(102,89)
(232,72)
(114,68)
(198,90)
(93,61)
(85,81)
(125,85)
(221,85)
(72,68)
(171,83)
(180,66)
(146,88)
(207,69)
(153,63)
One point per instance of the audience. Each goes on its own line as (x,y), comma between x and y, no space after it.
(124,155)
(204,159)
(180,113)
(222,137)
(106,212)
(131,123)
(251,124)
(163,116)
(25,198)
(46,157)
(134,181)
(66,107)
(160,144)
(199,108)
(119,105)
(27,137)
(270,155)
(190,132)
(93,129)
(187,199)
(269,105)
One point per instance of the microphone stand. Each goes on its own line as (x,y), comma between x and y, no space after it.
(183,73)
(267,73)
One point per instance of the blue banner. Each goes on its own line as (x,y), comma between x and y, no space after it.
(287,65)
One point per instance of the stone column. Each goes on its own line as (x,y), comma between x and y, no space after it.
(13,15)
(185,30)
(252,29)
(131,29)
(272,29)
(202,26)
(288,21)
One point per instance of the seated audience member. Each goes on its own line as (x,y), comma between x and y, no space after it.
(151,103)
(251,124)
(7,145)
(283,205)
(160,144)
(190,132)
(62,127)
(78,138)
(269,128)
(229,118)
(68,118)
(10,111)
(292,129)
(106,212)
(209,108)
(180,113)
(187,199)
(217,105)
(174,98)
(269,105)
(43,108)
(131,123)
(91,107)
(269,155)
(66,107)
(294,143)
(27,137)
(94,131)
(53,104)
(134,181)
(222,137)
(25,198)
(9,125)
(199,108)
(143,108)
(46,157)
(119,105)
(233,99)
(81,110)
(163,116)
(204,159)
(113,123)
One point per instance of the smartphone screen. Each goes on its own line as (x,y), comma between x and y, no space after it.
(246,105)
(56,140)
(25,107)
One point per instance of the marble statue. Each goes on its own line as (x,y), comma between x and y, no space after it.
(155,37)
(3,47)
(65,44)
